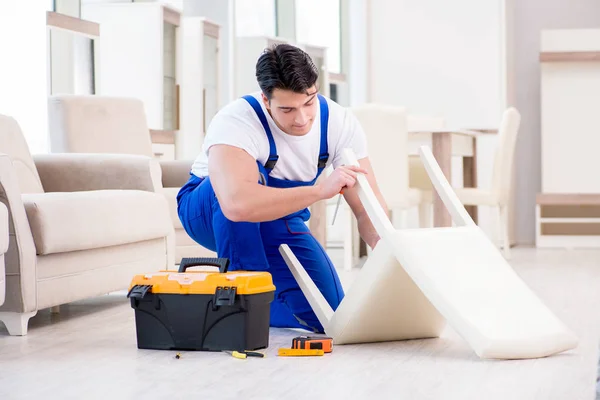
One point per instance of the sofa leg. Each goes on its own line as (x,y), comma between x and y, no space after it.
(16,323)
(55,310)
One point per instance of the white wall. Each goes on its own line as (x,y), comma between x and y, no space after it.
(255,17)
(320,28)
(438,57)
(444,59)
(531,17)
(23,70)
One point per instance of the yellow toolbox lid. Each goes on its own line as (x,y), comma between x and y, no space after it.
(203,282)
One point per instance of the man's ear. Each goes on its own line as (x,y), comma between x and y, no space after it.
(266,101)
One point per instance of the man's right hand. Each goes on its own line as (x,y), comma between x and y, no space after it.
(343,177)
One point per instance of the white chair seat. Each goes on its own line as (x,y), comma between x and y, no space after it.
(476,197)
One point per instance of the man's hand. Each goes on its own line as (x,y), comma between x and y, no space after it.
(341,177)
(365,226)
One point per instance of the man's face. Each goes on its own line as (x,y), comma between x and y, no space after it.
(294,113)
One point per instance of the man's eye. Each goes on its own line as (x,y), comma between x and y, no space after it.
(287,111)
(309,103)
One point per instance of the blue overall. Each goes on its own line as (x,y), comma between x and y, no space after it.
(255,246)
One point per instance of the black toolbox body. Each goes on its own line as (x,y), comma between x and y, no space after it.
(201,310)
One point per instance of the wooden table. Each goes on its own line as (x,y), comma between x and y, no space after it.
(445,144)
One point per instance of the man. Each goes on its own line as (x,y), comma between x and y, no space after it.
(250,188)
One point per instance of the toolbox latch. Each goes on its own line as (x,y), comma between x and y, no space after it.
(225,296)
(139,291)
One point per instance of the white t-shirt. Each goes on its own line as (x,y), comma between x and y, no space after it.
(238,125)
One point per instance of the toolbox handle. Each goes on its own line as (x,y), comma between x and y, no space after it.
(221,263)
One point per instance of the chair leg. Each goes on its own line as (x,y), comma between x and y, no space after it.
(16,323)
(425,215)
(503,210)
(348,240)
(497,226)
(402,218)
(355,240)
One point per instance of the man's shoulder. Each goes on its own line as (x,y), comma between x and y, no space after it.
(337,114)
(332,104)
(237,111)
(235,118)
(237,107)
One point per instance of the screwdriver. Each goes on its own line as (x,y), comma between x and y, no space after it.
(337,207)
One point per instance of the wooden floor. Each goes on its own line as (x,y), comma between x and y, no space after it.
(89,351)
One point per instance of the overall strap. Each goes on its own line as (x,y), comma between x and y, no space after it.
(273,157)
(323,150)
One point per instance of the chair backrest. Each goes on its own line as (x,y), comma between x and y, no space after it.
(422,122)
(387,141)
(98,124)
(505,151)
(13,144)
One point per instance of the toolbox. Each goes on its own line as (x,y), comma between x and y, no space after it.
(202,310)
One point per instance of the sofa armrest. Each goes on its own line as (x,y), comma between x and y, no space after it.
(20,259)
(175,173)
(73,172)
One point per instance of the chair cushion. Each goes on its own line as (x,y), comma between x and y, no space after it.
(70,221)
(476,197)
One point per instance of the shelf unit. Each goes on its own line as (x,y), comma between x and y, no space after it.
(138,57)
(70,44)
(199,83)
(568,220)
(318,54)
(339,90)
(568,206)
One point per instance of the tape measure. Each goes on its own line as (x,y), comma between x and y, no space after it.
(299,352)
(313,343)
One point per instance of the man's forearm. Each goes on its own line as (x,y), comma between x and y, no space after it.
(367,230)
(257,203)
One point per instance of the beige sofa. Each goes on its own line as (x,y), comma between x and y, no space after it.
(3,248)
(102,124)
(80,225)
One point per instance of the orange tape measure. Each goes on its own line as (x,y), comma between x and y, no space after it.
(313,343)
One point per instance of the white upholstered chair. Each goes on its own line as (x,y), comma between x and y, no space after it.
(81,225)
(387,139)
(105,124)
(3,249)
(498,196)
(385,127)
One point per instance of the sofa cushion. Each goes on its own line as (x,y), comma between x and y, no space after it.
(70,221)
(171,196)
(3,229)
(3,249)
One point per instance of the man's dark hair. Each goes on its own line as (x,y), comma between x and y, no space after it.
(285,67)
